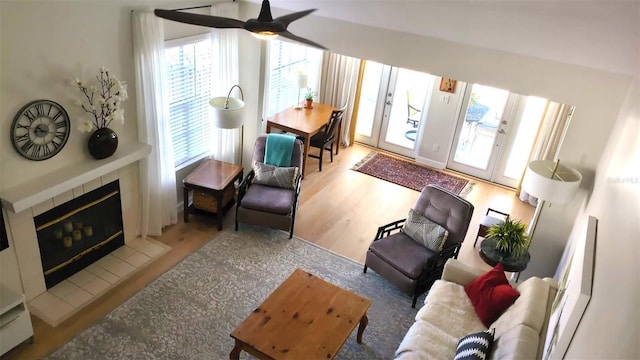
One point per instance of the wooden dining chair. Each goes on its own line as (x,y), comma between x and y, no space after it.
(326,138)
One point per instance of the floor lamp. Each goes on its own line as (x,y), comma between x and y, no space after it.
(228,114)
(549,181)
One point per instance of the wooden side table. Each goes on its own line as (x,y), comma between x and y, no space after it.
(215,178)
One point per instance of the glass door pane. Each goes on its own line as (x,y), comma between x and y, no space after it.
(405,103)
(371,102)
(517,148)
(479,132)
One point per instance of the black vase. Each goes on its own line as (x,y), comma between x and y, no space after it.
(103,143)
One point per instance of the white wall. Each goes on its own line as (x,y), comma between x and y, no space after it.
(610,327)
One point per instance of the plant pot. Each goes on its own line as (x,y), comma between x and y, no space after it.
(308,104)
(103,143)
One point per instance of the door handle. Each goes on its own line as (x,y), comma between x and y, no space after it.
(388,102)
(504,122)
(501,131)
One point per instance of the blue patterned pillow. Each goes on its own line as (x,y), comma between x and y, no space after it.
(424,231)
(476,346)
(283,177)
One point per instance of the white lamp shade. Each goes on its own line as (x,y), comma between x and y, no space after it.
(302,80)
(559,189)
(231,118)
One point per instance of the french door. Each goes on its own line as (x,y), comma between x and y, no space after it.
(495,133)
(391,104)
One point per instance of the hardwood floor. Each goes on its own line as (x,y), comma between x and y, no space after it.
(340,210)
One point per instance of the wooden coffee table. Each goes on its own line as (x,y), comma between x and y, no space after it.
(304,318)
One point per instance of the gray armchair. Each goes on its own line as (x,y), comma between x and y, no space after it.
(269,206)
(410,266)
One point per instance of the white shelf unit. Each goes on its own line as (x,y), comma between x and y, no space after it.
(15,322)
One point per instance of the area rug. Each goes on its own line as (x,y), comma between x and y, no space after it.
(408,174)
(189,312)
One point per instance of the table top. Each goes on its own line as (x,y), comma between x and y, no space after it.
(213,174)
(304,318)
(493,256)
(303,120)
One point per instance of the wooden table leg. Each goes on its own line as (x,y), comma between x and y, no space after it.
(185,201)
(219,196)
(307,140)
(235,353)
(363,324)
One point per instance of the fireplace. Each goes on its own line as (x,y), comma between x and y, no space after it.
(77,233)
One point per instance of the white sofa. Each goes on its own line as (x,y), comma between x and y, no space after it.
(448,315)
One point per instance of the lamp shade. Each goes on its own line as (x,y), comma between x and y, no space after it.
(301,80)
(227,116)
(546,182)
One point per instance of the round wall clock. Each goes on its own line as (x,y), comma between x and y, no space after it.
(40,129)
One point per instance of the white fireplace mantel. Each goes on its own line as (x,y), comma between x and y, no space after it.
(38,190)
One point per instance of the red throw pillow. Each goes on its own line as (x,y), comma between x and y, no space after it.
(491,294)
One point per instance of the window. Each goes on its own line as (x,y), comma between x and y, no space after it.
(188,63)
(285,60)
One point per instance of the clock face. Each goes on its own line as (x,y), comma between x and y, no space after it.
(40,129)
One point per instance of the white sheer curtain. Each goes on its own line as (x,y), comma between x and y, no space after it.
(339,82)
(225,143)
(550,135)
(158,198)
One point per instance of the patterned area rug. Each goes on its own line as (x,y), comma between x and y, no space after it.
(408,174)
(189,312)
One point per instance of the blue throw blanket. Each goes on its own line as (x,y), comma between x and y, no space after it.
(279,149)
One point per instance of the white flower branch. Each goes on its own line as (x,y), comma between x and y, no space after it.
(102,101)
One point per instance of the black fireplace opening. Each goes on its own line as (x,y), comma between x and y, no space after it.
(79,232)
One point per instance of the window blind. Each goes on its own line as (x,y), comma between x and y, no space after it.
(189,78)
(286,59)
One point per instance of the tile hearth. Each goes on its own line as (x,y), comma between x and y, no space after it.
(69,296)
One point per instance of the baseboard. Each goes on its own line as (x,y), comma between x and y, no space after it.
(431,163)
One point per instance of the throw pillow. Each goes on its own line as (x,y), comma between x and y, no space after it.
(491,294)
(424,231)
(476,346)
(283,177)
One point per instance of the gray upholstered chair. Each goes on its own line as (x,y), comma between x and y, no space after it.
(266,205)
(413,267)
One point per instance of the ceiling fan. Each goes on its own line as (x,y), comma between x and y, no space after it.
(264,26)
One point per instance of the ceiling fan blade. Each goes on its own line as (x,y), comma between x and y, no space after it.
(198,19)
(291,36)
(289,18)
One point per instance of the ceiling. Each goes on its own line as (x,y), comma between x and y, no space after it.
(599,34)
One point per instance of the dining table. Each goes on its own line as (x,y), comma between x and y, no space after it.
(304,122)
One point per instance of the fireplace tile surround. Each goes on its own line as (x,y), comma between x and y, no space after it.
(63,300)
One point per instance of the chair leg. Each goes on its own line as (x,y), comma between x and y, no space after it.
(415,299)
(365,269)
(331,151)
(321,153)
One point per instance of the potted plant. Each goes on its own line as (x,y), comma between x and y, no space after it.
(308,98)
(510,236)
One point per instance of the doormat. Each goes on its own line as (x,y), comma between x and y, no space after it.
(408,174)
